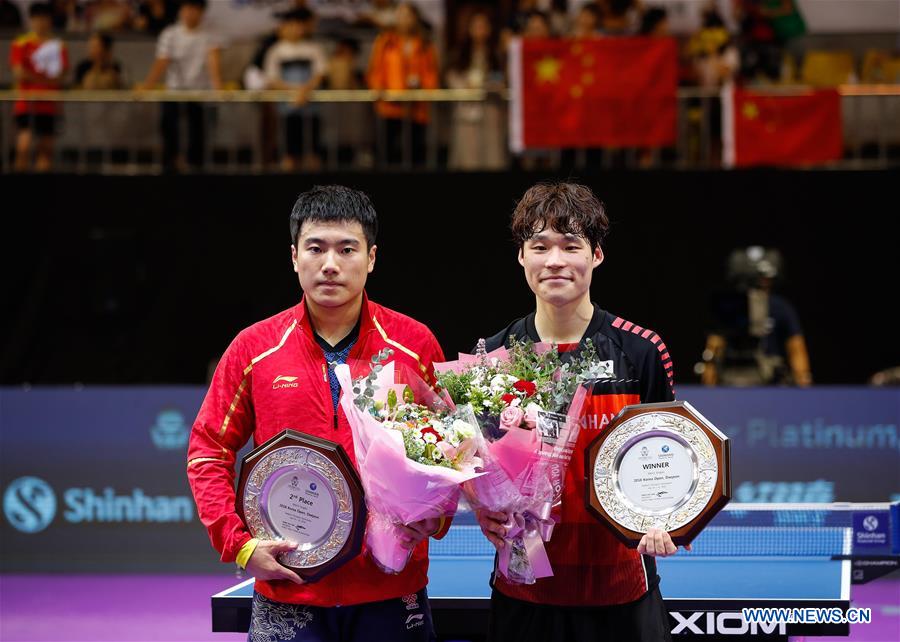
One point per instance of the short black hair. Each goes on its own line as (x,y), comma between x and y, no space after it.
(350,43)
(201,4)
(564,207)
(651,18)
(619,8)
(334,203)
(591,8)
(105,39)
(40,9)
(300,14)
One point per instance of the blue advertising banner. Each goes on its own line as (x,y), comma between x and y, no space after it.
(808,445)
(94,479)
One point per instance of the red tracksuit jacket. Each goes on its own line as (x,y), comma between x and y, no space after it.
(245,400)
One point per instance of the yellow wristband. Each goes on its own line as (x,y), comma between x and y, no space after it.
(246,551)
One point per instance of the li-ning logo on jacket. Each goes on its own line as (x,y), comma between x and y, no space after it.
(285,381)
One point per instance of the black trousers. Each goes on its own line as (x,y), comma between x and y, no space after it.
(644,620)
(170,123)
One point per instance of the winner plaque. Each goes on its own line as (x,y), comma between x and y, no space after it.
(658,465)
(304,489)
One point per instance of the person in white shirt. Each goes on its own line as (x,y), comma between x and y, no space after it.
(189,56)
(295,62)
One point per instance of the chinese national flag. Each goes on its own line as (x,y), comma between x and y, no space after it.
(772,129)
(605,92)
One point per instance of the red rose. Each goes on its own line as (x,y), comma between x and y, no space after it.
(508,398)
(525,386)
(429,430)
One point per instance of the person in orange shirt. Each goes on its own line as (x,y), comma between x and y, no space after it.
(403,58)
(38,61)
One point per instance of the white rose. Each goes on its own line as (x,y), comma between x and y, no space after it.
(437,425)
(501,381)
(463,429)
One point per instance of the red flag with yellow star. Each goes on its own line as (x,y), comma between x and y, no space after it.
(603,92)
(781,129)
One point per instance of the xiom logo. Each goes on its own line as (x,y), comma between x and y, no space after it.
(29,504)
(285,381)
(720,624)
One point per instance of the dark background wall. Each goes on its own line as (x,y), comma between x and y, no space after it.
(146,279)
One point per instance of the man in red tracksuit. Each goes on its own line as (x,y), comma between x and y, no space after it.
(600,590)
(279,373)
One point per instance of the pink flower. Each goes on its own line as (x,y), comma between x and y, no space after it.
(511,417)
(531,415)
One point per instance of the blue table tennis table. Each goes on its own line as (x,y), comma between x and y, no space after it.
(750,555)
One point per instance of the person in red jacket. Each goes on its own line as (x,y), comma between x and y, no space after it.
(39,62)
(600,590)
(279,373)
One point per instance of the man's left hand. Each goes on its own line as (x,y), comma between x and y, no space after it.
(412,534)
(658,543)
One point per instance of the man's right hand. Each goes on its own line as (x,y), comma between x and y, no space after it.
(493,525)
(262,563)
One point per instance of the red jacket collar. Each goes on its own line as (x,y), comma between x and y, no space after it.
(366,324)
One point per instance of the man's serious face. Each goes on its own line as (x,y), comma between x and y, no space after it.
(332,261)
(558,267)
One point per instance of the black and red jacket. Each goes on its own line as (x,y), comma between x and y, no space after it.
(273,376)
(590,566)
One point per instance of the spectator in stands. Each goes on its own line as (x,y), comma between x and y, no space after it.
(712,52)
(403,58)
(10,17)
(348,125)
(477,141)
(99,70)
(39,62)
(343,67)
(295,62)
(620,18)
(190,57)
(767,28)
(537,25)
(654,22)
(107,15)
(67,15)
(254,78)
(586,22)
(714,62)
(519,16)
(155,15)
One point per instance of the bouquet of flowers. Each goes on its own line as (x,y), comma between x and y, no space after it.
(413,450)
(528,404)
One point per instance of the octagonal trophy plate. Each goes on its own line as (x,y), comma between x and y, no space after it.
(659,465)
(304,489)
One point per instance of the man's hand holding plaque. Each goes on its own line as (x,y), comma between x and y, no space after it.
(658,468)
(302,498)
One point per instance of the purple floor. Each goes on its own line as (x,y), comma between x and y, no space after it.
(127,608)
